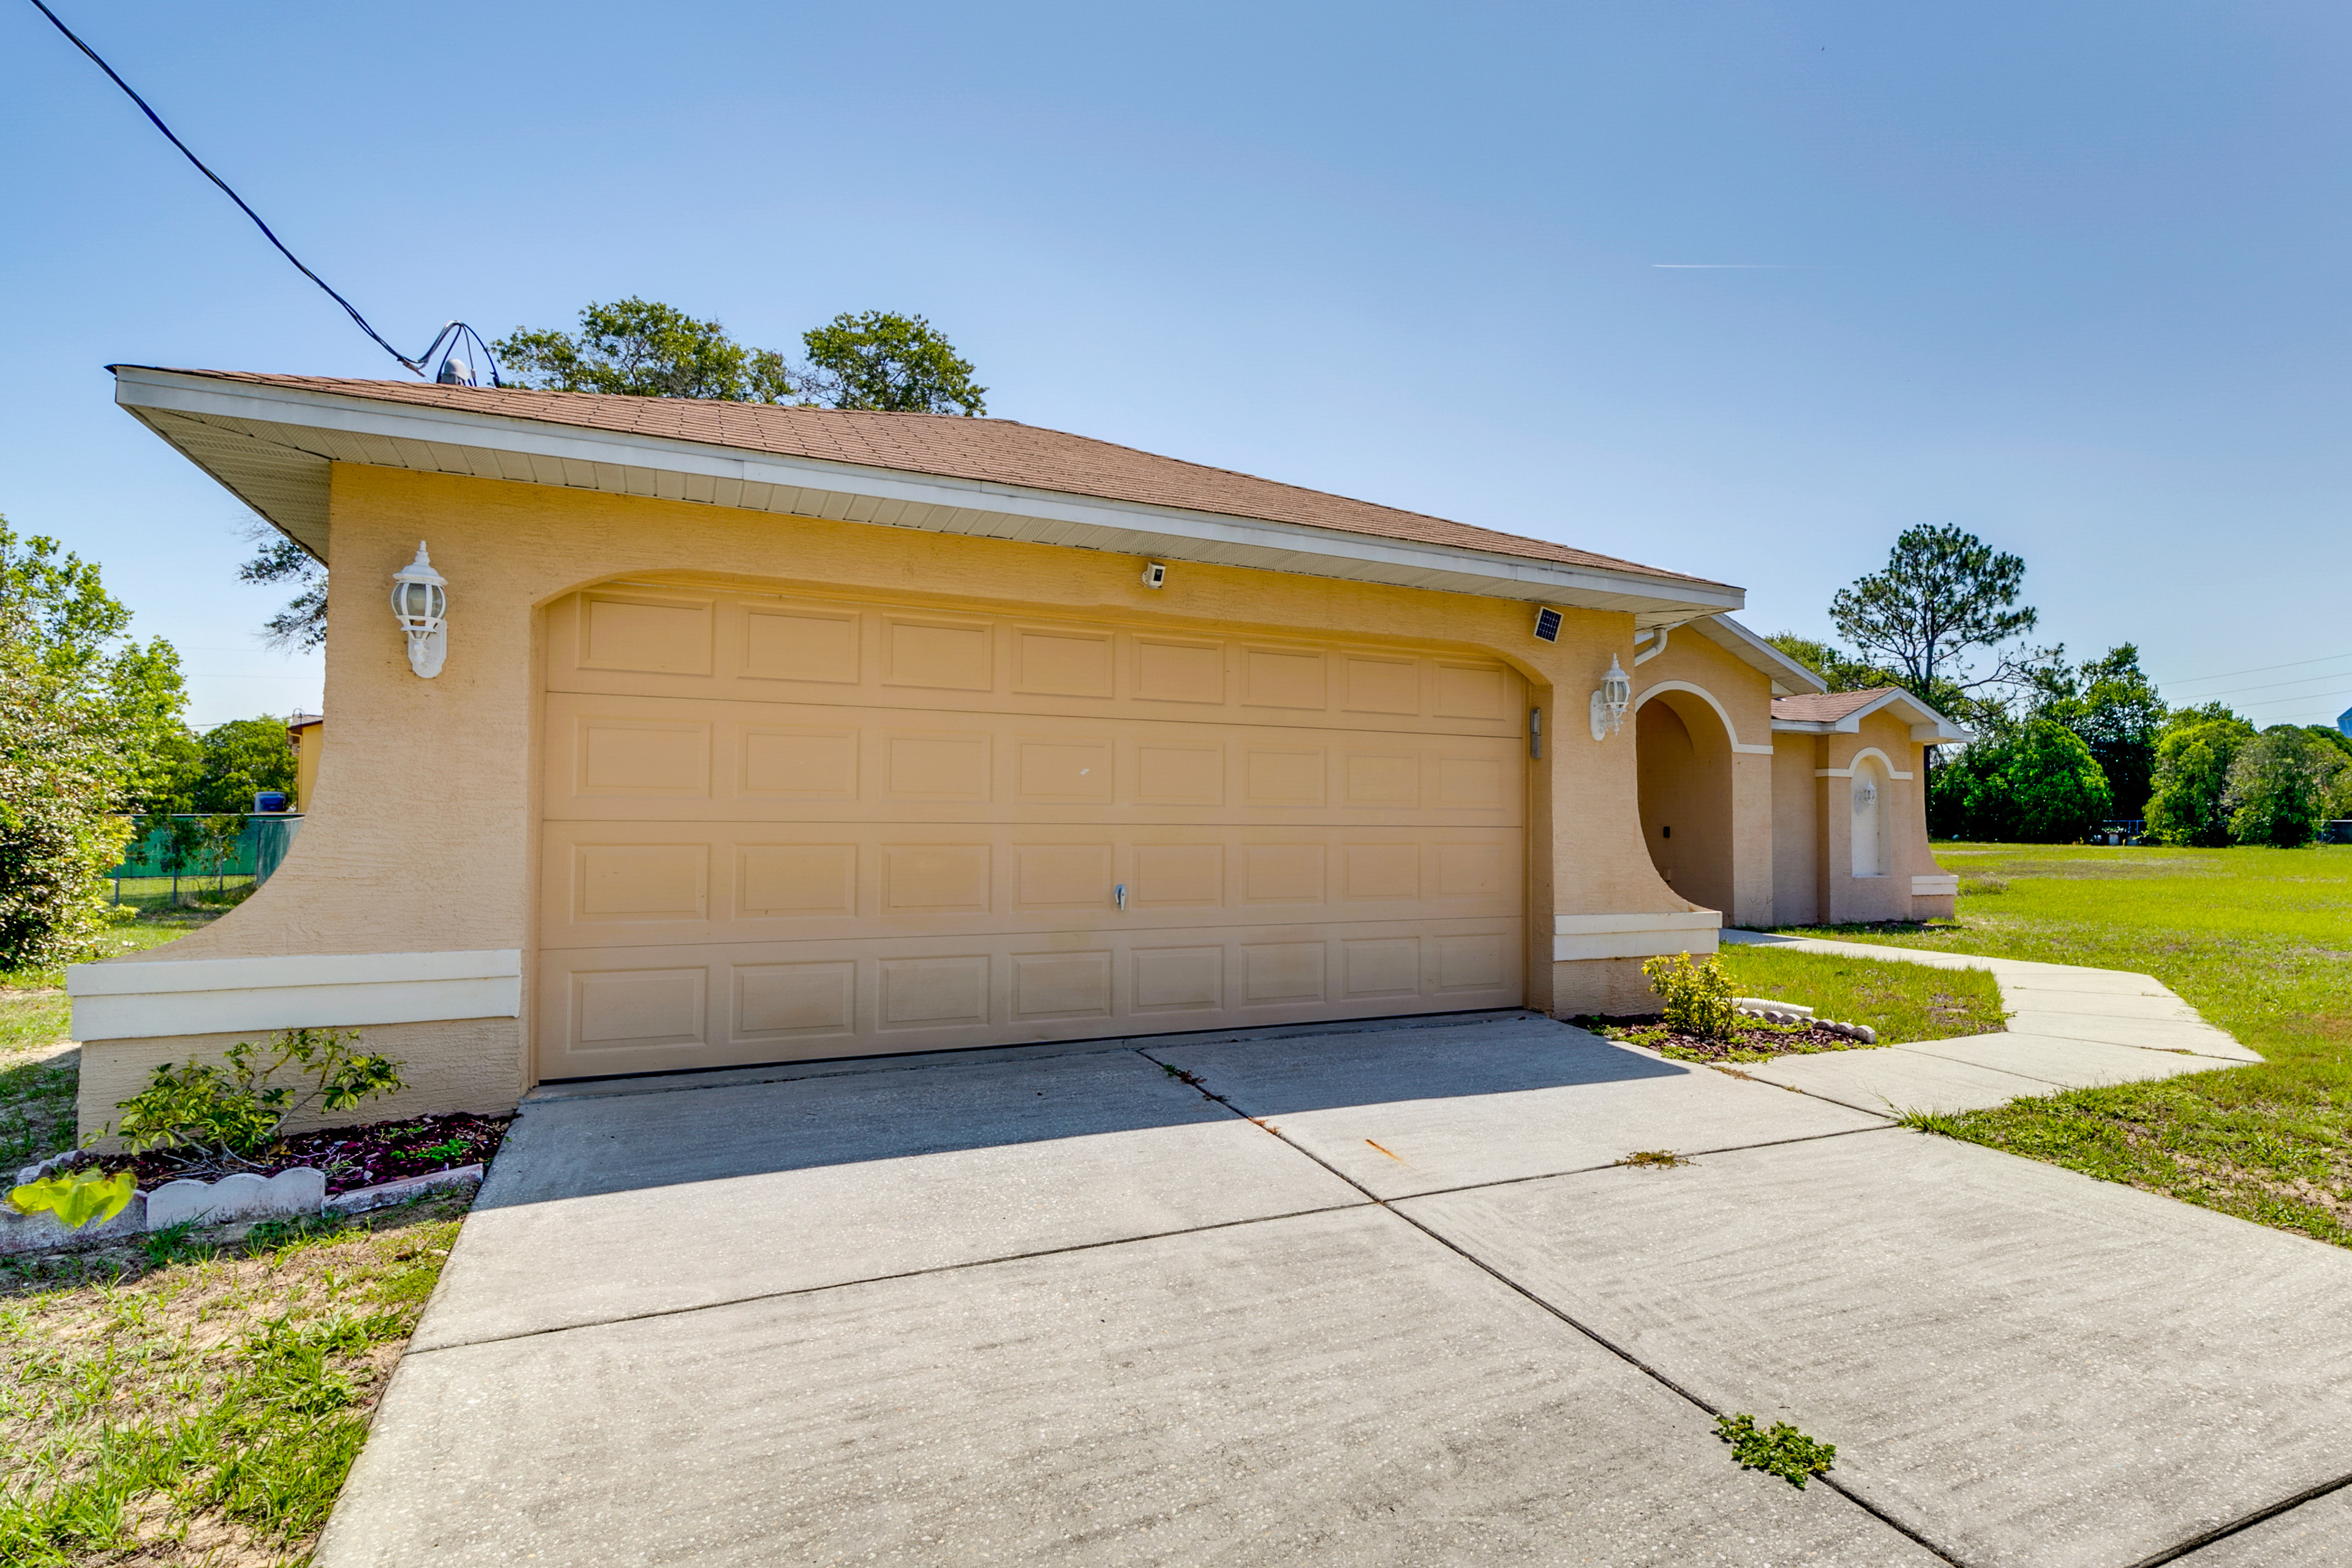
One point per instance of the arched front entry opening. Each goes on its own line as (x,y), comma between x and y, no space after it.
(1684,758)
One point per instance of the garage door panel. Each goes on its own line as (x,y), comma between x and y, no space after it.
(637,757)
(669,882)
(778,827)
(660,641)
(626,1009)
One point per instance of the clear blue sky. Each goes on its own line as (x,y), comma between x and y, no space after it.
(2072,277)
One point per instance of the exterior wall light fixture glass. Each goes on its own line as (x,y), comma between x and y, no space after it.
(420,602)
(1609,703)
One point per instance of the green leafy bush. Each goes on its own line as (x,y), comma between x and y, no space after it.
(2281,786)
(2039,783)
(2193,776)
(77,1197)
(1783,1450)
(217,1117)
(1696,997)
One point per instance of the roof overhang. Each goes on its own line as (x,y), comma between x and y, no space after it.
(1788,677)
(272,448)
(1927,726)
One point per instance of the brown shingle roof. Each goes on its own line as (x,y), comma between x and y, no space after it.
(1826,707)
(990,450)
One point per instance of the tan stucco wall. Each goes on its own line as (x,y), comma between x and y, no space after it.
(1686,793)
(1796,830)
(423,834)
(468,1064)
(1848,897)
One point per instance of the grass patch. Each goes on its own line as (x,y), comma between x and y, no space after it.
(1901,1001)
(36,1083)
(193,1400)
(2259,941)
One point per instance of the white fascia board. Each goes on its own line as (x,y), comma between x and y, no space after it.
(1650,935)
(1788,677)
(1128,527)
(145,1000)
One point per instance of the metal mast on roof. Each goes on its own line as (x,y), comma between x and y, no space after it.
(452,372)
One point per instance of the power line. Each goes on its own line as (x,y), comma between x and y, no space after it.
(2270,686)
(2258,670)
(349,309)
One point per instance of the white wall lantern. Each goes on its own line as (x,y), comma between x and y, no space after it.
(1609,703)
(420,601)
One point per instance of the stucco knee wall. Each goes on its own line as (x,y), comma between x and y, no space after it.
(466,1064)
(1602,986)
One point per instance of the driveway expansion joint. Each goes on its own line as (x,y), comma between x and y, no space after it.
(2259,1516)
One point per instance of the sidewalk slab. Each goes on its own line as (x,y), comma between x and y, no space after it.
(2147,1033)
(1332,1389)
(1890,1080)
(2030,1367)
(2316,1534)
(1422,1112)
(2101,1004)
(2059,1063)
(606,1209)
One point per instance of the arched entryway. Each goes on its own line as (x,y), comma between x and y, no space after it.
(1685,764)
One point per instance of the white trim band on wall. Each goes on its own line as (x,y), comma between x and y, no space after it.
(120,1001)
(1730,731)
(1945,886)
(1635,935)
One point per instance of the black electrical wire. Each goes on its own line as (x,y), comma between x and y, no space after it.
(348,307)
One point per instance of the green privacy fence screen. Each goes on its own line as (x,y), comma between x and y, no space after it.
(259,847)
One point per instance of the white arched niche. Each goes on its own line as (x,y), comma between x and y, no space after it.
(1872,811)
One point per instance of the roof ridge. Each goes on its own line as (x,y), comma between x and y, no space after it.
(974,447)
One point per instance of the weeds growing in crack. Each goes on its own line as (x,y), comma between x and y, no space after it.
(1653,1159)
(1781,1451)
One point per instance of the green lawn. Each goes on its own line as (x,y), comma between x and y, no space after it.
(37,1087)
(2260,940)
(1900,1001)
(183,1402)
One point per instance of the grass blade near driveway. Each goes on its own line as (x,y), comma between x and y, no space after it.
(2259,941)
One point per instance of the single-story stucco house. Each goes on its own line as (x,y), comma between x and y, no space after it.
(709,734)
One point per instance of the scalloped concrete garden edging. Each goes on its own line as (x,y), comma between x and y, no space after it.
(289,1194)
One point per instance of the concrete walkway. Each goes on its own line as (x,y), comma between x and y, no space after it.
(1354,1295)
(2068,1028)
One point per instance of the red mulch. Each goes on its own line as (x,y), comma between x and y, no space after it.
(356,1157)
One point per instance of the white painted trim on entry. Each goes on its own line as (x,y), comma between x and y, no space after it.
(1940,887)
(129,1001)
(1847,771)
(1729,729)
(1635,935)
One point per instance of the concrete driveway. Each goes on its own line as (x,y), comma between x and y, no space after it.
(1360,1295)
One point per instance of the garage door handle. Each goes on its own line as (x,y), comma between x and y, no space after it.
(1120,893)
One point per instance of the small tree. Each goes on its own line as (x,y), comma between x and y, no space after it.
(221,836)
(2280,786)
(1943,597)
(2187,803)
(643,348)
(894,363)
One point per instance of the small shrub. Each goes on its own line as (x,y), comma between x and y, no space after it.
(217,1117)
(1782,1451)
(1696,997)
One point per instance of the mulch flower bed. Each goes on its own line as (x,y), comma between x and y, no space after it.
(355,1157)
(1753,1039)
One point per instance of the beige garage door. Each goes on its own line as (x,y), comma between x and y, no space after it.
(787,828)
